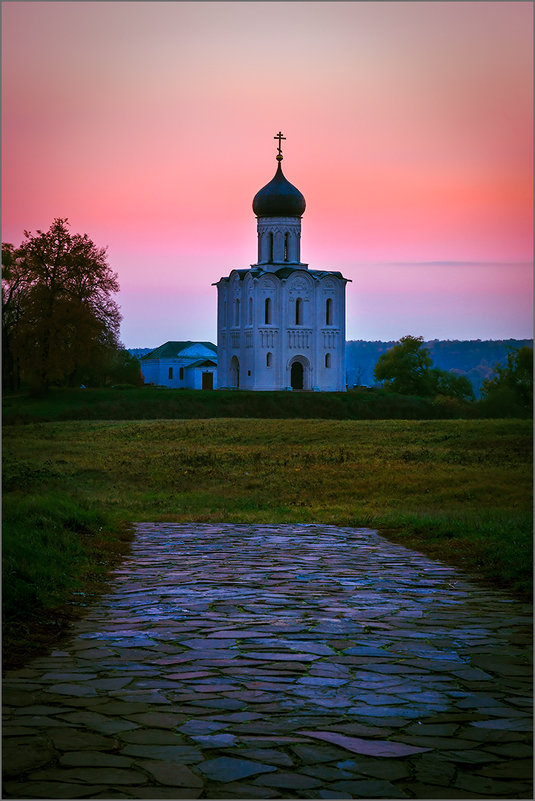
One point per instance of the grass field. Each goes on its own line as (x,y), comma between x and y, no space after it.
(457,490)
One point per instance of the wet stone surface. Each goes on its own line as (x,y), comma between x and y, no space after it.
(292,661)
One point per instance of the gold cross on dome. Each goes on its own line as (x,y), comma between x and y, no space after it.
(279,136)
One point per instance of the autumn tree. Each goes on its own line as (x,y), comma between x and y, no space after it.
(13,286)
(62,320)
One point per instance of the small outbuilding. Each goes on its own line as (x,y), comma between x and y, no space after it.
(181,365)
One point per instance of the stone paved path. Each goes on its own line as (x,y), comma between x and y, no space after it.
(278,661)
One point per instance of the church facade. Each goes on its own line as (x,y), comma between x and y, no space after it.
(281,326)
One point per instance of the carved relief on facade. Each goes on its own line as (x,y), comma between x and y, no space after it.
(329,338)
(235,339)
(268,337)
(299,338)
(248,339)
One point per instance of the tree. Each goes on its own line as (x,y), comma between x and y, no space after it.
(62,321)
(450,385)
(405,367)
(13,286)
(511,384)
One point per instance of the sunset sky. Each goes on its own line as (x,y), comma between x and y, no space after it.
(409,131)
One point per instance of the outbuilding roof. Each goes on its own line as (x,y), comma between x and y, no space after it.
(169,350)
(201,363)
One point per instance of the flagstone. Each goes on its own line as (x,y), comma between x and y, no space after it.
(288,781)
(227,769)
(88,775)
(369,788)
(201,726)
(24,754)
(170,773)
(183,754)
(512,750)
(509,724)
(94,759)
(71,689)
(271,756)
(37,709)
(222,740)
(100,723)
(37,789)
(152,737)
(121,708)
(68,739)
(482,784)
(271,656)
(380,748)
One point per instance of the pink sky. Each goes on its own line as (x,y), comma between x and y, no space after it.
(409,131)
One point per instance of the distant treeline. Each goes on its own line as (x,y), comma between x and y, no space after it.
(474,358)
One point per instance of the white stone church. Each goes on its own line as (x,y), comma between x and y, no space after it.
(280,325)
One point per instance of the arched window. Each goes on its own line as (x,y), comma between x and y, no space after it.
(329,311)
(299,311)
(327,360)
(286,238)
(271,246)
(181,374)
(250,311)
(235,372)
(237,312)
(267,311)
(170,372)
(269,360)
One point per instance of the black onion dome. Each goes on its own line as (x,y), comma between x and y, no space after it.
(279,198)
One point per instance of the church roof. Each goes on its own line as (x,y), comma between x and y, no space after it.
(284,272)
(170,350)
(279,198)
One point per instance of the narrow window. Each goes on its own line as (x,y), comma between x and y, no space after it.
(327,360)
(181,374)
(269,359)
(286,236)
(329,311)
(237,312)
(299,311)
(271,247)
(250,311)
(267,311)
(170,372)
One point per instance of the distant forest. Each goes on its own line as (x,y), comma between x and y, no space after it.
(474,358)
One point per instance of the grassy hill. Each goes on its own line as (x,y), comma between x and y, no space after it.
(153,403)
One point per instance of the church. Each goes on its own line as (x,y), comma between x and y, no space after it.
(280,325)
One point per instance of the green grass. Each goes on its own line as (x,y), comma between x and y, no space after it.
(56,555)
(146,403)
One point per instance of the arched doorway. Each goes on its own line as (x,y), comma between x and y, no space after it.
(235,372)
(297,376)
